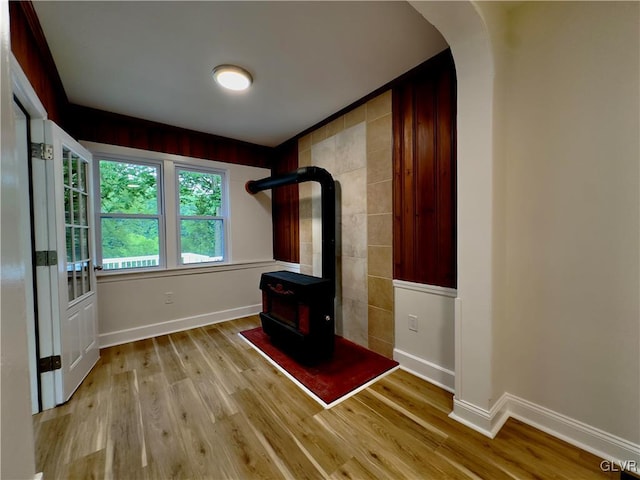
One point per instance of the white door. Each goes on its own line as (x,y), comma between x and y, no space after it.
(63,219)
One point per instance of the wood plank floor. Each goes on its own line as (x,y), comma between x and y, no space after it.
(203,404)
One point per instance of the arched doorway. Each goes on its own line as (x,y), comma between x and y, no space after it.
(466,31)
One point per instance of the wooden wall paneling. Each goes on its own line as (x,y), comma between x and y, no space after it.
(426,186)
(408,185)
(424,247)
(105,127)
(404,246)
(397,160)
(404,189)
(447,168)
(31,50)
(397,111)
(285,206)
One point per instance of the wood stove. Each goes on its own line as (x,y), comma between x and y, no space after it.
(298,310)
(297,313)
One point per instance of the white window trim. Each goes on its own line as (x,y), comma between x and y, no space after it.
(168,200)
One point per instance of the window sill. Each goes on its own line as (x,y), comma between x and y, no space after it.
(118,276)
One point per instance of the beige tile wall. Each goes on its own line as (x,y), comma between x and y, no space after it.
(363,170)
(380,224)
(304,189)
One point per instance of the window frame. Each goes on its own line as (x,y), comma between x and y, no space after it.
(169,211)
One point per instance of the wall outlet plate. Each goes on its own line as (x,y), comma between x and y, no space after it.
(413,323)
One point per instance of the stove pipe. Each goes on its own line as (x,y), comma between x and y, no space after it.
(328,200)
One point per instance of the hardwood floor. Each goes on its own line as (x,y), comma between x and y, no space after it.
(203,404)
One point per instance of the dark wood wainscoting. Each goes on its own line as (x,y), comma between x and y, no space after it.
(424,181)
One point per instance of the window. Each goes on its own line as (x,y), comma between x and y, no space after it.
(148,220)
(199,207)
(130,215)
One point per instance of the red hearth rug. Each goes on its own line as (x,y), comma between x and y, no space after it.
(351,368)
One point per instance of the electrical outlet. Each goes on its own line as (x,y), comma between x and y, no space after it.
(413,323)
(168,297)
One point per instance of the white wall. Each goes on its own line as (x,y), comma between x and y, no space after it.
(427,351)
(571,342)
(132,305)
(17,458)
(251,235)
(547,316)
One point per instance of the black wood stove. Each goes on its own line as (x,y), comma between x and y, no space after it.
(297,313)
(298,310)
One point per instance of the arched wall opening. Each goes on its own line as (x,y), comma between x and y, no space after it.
(462,25)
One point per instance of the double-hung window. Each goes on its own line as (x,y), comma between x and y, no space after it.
(200,219)
(160,214)
(131,220)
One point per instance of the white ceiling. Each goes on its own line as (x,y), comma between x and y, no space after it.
(153,60)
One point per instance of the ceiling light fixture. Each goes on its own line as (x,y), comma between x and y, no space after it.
(232,77)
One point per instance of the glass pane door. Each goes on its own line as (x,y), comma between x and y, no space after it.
(76,204)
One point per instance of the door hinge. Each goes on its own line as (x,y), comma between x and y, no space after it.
(42,151)
(46,258)
(49,364)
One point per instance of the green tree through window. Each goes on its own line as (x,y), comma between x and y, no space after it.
(128,188)
(129,210)
(200,208)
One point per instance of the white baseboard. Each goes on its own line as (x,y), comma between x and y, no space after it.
(426,370)
(579,434)
(582,435)
(489,422)
(119,337)
(486,422)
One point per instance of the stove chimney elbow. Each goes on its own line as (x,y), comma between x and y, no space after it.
(250,187)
